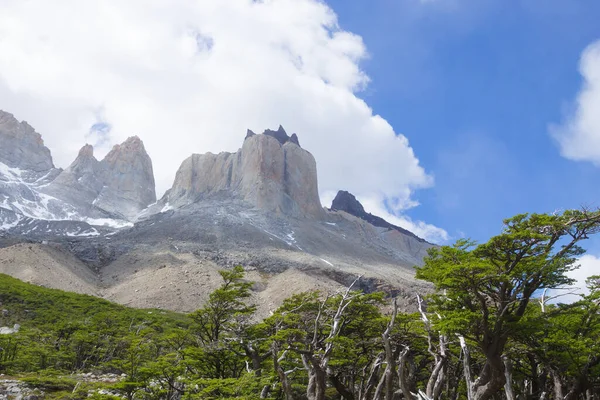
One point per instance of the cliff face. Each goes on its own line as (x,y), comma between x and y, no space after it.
(128,179)
(258,207)
(21,146)
(122,184)
(119,186)
(271,171)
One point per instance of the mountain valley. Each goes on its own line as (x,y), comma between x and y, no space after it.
(97,227)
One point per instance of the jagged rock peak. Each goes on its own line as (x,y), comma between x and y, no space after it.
(86,151)
(294,139)
(347,202)
(249,134)
(128,178)
(11,125)
(281,135)
(21,146)
(270,175)
(133,144)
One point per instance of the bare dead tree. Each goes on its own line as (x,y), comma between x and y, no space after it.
(316,358)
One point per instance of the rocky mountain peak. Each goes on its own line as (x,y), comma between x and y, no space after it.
(85,162)
(281,135)
(86,151)
(132,147)
(270,171)
(21,146)
(294,139)
(347,202)
(128,179)
(121,185)
(249,133)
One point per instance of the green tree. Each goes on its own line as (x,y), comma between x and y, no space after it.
(483,291)
(215,325)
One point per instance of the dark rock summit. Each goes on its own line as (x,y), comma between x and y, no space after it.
(281,135)
(345,201)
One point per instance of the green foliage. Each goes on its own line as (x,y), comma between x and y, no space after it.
(50,383)
(320,346)
(483,291)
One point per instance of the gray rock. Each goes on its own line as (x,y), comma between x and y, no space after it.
(120,185)
(128,179)
(345,201)
(280,134)
(272,176)
(21,146)
(81,183)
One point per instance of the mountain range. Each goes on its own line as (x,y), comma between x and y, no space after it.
(97,226)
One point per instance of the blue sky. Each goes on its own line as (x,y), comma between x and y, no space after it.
(475,85)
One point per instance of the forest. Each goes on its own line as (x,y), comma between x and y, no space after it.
(492,327)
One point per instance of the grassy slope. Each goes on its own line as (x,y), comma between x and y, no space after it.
(30,305)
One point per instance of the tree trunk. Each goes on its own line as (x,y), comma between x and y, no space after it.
(372,378)
(490,380)
(404,385)
(390,366)
(317,379)
(285,383)
(508,389)
(341,388)
(558,389)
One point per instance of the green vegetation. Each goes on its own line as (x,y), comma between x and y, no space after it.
(487,331)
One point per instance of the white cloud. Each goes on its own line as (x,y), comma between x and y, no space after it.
(375,206)
(589,265)
(191,76)
(579,135)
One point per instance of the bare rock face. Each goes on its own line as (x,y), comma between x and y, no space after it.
(21,146)
(82,181)
(270,171)
(128,179)
(300,178)
(121,185)
(345,201)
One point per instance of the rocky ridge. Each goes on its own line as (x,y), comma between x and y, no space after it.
(108,192)
(258,207)
(345,201)
(271,171)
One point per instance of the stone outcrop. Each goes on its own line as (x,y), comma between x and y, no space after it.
(345,201)
(128,179)
(21,146)
(119,186)
(5,330)
(271,171)
(122,184)
(82,181)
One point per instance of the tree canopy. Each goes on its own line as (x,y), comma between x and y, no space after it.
(485,330)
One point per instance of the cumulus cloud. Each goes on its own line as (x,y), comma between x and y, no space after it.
(579,135)
(191,76)
(588,265)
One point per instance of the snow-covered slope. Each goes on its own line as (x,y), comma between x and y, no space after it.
(33,190)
